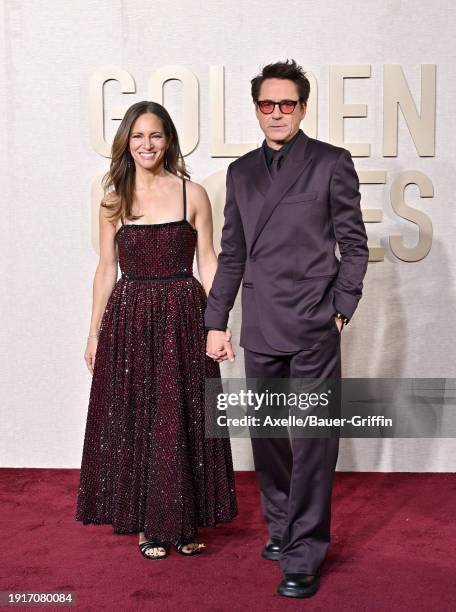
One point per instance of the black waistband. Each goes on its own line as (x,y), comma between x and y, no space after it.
(126,276)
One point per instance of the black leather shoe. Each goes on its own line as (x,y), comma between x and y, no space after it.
(271,551)
(298,585)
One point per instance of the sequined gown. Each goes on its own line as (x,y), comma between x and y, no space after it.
(146,463)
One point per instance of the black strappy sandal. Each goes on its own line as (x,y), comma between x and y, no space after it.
(197,549)
(145,546)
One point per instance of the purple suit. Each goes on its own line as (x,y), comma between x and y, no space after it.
(279,237)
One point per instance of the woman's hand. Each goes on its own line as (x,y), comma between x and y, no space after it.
(89,355)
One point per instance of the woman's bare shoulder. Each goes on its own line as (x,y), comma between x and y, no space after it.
(196,191)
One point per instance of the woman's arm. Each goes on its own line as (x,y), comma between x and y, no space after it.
(201,212)
(103,283)
(206,259)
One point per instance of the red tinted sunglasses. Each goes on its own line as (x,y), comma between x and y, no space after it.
(286,106)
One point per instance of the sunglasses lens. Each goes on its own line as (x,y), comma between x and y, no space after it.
(287,107)
(266,106)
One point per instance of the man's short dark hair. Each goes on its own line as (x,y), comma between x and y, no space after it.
(283,70)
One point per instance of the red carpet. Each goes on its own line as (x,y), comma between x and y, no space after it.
(393,548)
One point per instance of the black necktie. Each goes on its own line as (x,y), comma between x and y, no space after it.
(275,165)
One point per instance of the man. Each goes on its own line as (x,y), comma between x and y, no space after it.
(287,205)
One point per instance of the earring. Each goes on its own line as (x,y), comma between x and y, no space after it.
(128,161)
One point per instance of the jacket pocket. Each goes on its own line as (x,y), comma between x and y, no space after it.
(308,279)
(296,198)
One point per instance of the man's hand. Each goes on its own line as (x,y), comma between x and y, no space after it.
(219,346)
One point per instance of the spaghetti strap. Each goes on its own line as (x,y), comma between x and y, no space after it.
(185,198)
(121,220)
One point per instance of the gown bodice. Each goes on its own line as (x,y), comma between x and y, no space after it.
(163,250)
(154,251)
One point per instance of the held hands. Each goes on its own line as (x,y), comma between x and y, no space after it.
(218,345)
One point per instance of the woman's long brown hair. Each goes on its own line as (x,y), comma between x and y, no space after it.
(120,179)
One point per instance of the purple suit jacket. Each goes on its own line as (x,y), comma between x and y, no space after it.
(279,237)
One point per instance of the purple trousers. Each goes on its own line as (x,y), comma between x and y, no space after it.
(296,474)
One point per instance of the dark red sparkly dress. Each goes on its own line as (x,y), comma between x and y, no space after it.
(146,464)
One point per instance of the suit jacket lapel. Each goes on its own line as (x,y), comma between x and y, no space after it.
(296,160)
(260,173)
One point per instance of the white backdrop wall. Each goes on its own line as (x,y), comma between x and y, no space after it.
(50,50)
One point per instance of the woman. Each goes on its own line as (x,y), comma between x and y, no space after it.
(147,467)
